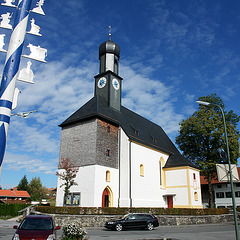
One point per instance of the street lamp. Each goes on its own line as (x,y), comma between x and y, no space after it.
(229,163)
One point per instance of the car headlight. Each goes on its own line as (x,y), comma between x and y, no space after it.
(51,237)
(16,237)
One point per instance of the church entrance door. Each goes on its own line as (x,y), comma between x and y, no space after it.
(107,197)
(170,201)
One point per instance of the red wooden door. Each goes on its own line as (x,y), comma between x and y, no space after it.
(105,198)
(170,201)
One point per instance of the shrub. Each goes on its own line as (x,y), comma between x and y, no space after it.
(74,231)
(123,211)
(11,209)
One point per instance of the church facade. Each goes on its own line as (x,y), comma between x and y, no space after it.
(124,159)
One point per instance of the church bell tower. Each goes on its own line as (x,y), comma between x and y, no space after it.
(107,83)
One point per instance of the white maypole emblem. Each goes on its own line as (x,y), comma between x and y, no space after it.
(9,3)
(34,28)
(26,74)
(37,53)
(6,20)
(39,8)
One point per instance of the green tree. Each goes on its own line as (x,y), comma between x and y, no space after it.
(202,134)
(67,173)
(36,190)
(23,184)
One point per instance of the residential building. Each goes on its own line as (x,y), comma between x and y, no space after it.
(221,192)
(14,196)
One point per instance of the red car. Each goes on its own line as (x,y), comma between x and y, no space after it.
(36,227)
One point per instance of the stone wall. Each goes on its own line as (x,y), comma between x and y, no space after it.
(99,220)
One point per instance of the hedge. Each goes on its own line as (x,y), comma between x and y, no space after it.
(11,209)
(123,211)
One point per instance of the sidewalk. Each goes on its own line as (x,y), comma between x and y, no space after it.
(9,222)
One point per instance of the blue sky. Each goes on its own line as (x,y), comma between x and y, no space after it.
(172,53)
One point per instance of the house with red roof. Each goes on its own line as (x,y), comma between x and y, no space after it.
(221,192)
(14,196)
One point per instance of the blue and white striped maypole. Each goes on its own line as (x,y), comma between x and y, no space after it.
(10,71)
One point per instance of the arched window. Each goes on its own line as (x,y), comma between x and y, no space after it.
(161,173)
(141,170)
(195,196)
(108,176)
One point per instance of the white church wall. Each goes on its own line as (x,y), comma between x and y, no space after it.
(124,198)
(85,187)
(146,189)
(176,177)
(101,184)
(180,181)
(194,178)
(60,192)
(91,184)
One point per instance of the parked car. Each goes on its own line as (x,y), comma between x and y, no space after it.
(133,220)
(37,227)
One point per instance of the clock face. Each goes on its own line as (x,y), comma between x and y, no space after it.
(102,82)
(115,83)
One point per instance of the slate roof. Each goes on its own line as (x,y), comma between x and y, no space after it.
(136,127)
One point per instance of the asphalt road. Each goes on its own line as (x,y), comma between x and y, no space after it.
(225,231)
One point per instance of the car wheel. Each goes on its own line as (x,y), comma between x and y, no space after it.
(119,227)
(150,226)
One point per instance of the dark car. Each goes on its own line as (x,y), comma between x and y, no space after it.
(36,227)
(133,220)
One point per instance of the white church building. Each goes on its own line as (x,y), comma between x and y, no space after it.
(124,159)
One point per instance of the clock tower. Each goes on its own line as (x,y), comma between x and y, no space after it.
(107,83)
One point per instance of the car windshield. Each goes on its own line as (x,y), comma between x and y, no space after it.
(36,224)
(127,215)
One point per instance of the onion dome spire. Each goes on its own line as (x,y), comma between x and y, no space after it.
(109,54)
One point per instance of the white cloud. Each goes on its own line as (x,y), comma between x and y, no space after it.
(150,98)
(17,162)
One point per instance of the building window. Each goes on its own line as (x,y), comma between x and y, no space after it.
(228,194)
(108,176)
(161,176)
(220,195)
(194,176)
(237,194)
(141,170)
(72,199)
(219,186)
(108,129)
(237,184)
(160,171)
(108,152)
(195,196)
(136,132)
